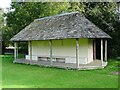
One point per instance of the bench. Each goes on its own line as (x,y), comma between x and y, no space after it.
(54,59)
(60,59)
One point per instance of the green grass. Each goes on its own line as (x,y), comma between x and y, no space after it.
(29,76)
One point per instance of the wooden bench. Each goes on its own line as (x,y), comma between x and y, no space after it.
(54,58)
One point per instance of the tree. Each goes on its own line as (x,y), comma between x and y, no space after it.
(1,27)
(1,18)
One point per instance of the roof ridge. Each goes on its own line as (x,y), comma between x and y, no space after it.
(63,14)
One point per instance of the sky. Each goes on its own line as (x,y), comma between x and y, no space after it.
(5,3)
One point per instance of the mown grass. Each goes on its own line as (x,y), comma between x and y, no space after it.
(29,76)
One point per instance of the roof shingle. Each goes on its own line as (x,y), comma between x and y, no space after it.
(62,26)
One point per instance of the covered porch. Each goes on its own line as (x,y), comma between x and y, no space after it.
(59,62)
(96,64)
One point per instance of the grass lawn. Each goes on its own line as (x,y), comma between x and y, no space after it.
(29,76)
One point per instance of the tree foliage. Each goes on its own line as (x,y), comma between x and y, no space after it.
(1,27)
(1,18)
(103,14)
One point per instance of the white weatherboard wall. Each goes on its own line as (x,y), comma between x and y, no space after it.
(83,51)
(90,50)
(63,48)
(39,48)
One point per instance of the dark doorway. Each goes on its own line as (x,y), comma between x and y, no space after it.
(98,49)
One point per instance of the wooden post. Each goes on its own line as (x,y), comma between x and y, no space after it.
(106,50)
(15,51)
(30,46)
(94,50)
(50,42)
(77,53)
(101,51)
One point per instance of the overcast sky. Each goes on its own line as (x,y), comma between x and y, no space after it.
(5,3)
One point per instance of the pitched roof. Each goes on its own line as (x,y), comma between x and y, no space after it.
(62,26)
